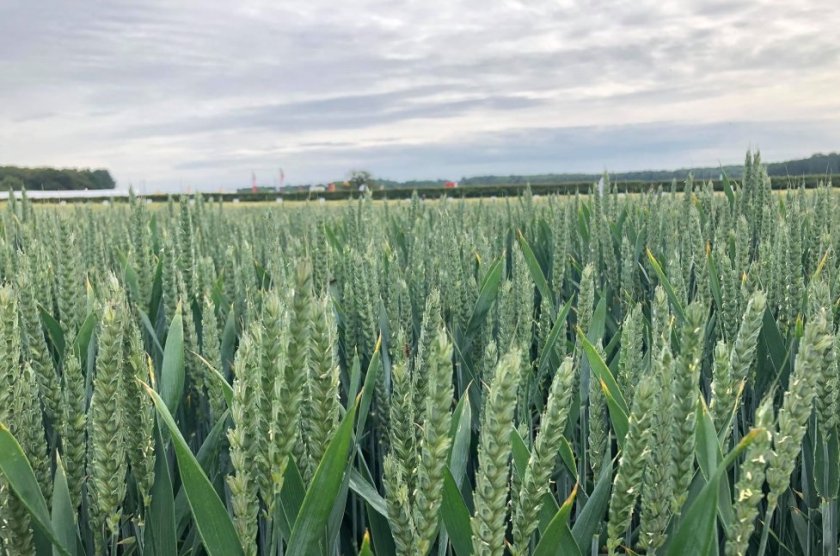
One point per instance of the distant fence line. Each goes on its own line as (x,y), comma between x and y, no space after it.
(474,191)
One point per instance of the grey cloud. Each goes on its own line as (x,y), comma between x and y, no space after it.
(573,149)
(34,117)
(166,87)
(345,112)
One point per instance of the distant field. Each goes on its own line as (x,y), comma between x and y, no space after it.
(566,188)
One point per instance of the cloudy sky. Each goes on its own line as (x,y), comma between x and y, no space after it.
(200,93)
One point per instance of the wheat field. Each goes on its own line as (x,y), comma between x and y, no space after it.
(596,374)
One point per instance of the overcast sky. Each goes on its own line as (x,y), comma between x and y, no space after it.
(200,93)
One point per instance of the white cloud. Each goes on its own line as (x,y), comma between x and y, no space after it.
(200,93)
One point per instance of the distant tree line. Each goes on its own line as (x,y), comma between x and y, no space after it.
(53,179)
(815,165)
(479,191)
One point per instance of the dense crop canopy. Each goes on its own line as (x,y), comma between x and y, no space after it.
(616,373)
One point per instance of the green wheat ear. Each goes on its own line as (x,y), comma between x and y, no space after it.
(628,482)
(244,439)
(9,350)
(825,402)
(270,338)
(74,425)
(658,494)
(796,406)
(723,387)
(429,328)
(35,345)
(746,342)
(139,410)
(400,465)
(107,427)
(291,394)
(586,299)
(491,489)
(598,433)
(686,393)
(434,443)
(543,456)
(212,353)
(631,360)
(749,488)
(19,410)
(322,385)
